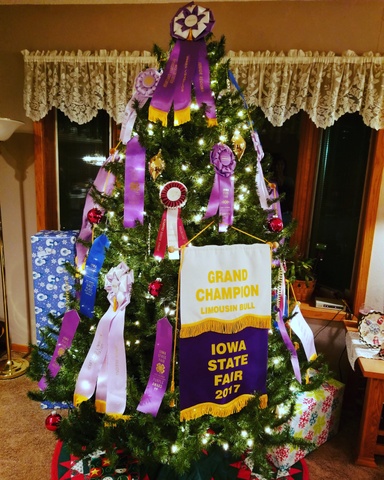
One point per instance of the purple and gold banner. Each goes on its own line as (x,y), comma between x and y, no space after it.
(226,373)
(225,312)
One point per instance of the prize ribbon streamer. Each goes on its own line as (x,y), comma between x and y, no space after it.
(68,329)
(171,231)
(187,64)
(104,182)
(283,331)
(145,85)
(94,263)
(105,367)
(134,183)
(222,194)
(157,384)
(261,187)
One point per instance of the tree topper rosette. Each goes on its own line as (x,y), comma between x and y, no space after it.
(105,368)
(222,195)
(145,86)
(171,232)
(187,65)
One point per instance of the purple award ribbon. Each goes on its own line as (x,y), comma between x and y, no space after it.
(187,64)
(222,194)
(157,384)
(68,329)
(104,367)
(104,182)
(145,85)
(283,331)
(134,183)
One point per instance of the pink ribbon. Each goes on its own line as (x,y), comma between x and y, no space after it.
(134,183)
(104,183)
(157,384)
(104,368)
(222,194)
(68,329)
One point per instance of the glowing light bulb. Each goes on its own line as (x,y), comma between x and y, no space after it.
(240,113)
(201,141)
(128,343)
(225,446)
(111,214)
(184,167)
(194,106)
(125,238)
(248,169)
(197,218)
(137,342)
(250,442)
(268,430)
(222,138)
(174,448)
(244,433)
(199,181)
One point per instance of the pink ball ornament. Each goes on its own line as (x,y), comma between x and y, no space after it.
(94,215)
(275,224)
(52,422)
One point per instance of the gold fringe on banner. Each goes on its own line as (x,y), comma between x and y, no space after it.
(154,114)
(224,326)
(214,409)
(263,401)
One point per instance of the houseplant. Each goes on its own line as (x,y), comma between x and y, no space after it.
(301,275)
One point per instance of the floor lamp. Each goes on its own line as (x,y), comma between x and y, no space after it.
(9,368)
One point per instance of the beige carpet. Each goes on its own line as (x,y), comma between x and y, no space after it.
(27,446)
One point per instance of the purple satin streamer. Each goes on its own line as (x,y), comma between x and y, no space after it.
(68,329)
(104,182)
(134,183)
(285,336)
(201,82)
(154,393)
(163,97)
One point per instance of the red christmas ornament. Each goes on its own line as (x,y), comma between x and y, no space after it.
(155,287)
(94,215)
(52,422)
(275,224)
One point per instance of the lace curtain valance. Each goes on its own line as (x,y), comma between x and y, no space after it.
(81,83)
(324,85)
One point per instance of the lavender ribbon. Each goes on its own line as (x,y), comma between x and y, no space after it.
(68,329)
(154,392)
(145,85)
(105,363)
(283,331)
(104,182)
(134,183)
(222,194)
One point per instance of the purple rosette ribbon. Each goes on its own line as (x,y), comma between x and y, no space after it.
(104,183)
(187,64)
(104,367)
(157,384)
(145,86)
(222,195)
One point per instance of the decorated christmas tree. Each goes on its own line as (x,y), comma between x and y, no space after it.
(174,347)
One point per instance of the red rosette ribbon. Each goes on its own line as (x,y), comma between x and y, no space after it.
(187,64)
(171,232)
(222,194)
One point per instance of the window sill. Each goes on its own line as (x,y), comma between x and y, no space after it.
(310,311)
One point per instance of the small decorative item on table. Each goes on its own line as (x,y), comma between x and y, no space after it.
(371,329)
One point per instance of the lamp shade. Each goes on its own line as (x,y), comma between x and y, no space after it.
(7,127)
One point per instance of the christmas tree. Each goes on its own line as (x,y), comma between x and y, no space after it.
(153,198)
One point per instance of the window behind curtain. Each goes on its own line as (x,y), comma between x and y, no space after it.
(81,150)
